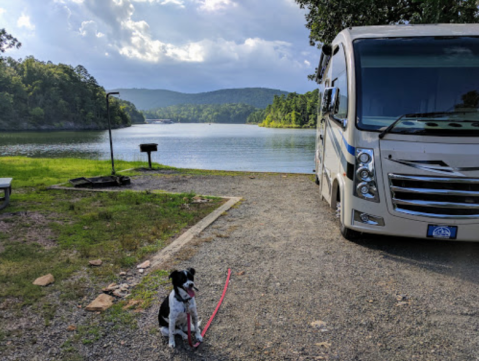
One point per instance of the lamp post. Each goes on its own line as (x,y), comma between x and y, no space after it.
(109,130)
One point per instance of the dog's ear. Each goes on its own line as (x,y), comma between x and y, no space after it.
(191,270)
(172,274)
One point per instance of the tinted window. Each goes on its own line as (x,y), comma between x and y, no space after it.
(418,75)
(340,80)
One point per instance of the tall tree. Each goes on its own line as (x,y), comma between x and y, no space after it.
(325,18)
(7,41)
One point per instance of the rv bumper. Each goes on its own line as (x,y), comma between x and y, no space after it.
(401,227)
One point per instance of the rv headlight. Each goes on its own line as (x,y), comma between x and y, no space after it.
(364,158)
(365,175)
(363,188)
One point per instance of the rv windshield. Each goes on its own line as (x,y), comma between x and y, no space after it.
(420,76)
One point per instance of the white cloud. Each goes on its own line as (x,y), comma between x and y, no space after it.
(24,22)
(2,11)
(307,63)
(141,46)
(179,3)
(89,28)
(214,5)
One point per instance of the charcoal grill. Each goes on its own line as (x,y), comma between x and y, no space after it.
(148,148)
(100,182)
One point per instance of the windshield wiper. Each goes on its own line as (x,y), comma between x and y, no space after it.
(418,115)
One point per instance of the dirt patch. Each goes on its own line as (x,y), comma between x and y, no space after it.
(28,227)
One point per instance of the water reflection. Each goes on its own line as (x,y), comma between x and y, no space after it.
(216,146)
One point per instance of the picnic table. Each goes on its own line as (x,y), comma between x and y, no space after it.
(6,187)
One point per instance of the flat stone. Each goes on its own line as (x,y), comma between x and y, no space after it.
(101,303)
(111,287)
(118,294)
(124,287)
(131,303)
(145,264)
(123,274)
(44,280)
(71,328)
(95,262)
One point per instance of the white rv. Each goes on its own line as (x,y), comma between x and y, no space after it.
(397,146)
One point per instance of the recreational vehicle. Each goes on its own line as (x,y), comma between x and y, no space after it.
(397,144)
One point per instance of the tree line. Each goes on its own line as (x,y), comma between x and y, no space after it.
(203,113)
(290,111)
(42,95)
(326,18)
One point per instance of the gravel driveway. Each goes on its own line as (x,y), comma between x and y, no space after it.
(299,291)
(380,299)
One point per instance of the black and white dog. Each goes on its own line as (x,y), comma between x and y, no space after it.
(172,315)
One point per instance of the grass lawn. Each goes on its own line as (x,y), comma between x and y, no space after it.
(58,232)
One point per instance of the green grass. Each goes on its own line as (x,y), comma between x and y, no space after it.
(32,172)
(147,290)
(58,231)
(121,228)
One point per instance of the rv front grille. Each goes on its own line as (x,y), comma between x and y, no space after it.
(436,197)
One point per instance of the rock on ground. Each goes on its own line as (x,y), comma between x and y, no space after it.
(101,303)
(44,280)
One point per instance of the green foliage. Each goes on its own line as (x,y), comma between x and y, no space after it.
(147,99)
(129,108)
(39,95)
(7,41)
(326,18)
(292,111)
(203,113)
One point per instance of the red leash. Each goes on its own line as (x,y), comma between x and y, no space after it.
(212,316)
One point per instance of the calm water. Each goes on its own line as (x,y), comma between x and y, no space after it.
(203,146)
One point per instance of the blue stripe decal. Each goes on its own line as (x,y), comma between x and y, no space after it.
(350,148)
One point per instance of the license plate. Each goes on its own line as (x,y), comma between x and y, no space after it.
(444,232)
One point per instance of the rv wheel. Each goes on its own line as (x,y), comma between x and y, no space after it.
(349,234)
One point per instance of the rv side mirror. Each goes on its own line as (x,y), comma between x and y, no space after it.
(326,101)
(330,101)
(335,100)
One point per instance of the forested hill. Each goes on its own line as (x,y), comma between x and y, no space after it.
(36,95)
(203,113)
(147,99)
(291,111)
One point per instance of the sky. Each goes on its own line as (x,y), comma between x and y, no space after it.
(182,45)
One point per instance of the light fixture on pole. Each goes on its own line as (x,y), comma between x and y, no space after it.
(109,130)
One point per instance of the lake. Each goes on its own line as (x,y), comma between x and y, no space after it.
(203,146)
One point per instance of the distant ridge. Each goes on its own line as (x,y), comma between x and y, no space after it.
(146,99)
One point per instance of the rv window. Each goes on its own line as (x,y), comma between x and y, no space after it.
(339,74)
(418,75)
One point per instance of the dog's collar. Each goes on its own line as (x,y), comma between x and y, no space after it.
(181,299)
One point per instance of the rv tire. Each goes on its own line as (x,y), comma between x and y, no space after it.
(349,234)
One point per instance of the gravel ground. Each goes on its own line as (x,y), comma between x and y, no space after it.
(298,290)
